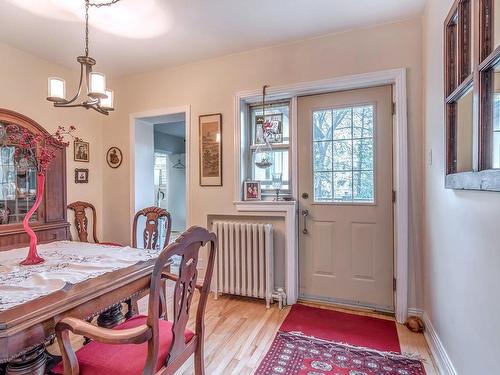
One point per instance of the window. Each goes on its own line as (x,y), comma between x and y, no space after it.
(343,157)
(161,166)
(279,114)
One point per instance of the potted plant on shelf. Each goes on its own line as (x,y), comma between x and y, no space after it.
(36,150)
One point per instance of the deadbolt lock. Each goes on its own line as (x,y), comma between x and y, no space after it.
(305,195)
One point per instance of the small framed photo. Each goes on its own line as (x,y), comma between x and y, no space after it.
(82,151)
(251,191)
(81,176)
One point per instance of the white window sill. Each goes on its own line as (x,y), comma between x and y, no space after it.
(265,205)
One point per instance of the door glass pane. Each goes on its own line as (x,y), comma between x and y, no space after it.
(343,143)
(323,190)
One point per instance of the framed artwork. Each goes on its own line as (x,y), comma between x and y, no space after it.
(272,126)
(211,150)
(114,157)
(81,151)
(251,191)
(81,176)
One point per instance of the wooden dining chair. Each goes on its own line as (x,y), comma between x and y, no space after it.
(150,235)
(82,222)
(148,345)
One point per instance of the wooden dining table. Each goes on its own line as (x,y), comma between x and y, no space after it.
(28,319)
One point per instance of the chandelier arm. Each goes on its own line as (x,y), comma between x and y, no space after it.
(93,106)
(100,110)
(79,91)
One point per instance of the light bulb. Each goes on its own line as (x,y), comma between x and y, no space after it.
(56,90)
(97,85)
(107,103)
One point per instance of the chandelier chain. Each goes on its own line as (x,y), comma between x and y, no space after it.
(97,5)
(107,4)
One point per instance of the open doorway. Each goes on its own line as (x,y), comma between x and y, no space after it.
(160,164)
(170,168)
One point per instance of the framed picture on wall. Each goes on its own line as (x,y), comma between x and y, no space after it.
(81,151)
(114,157)
(81,176)
(251,191)
(211,150)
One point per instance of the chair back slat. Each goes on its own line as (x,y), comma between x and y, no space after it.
(81,220)
(187,247)
(150,235)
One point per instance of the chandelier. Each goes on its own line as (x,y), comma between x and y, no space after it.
(97,96)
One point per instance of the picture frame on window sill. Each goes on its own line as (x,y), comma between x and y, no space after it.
(252,191)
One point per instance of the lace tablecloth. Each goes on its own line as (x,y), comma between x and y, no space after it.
(65,262)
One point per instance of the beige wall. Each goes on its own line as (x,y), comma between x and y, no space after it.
(23,88)
(461,252)
(209,86)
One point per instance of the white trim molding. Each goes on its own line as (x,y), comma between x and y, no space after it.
(287,210)
(394,77)
(439,354)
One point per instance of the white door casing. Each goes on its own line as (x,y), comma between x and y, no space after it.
(345,174)
(395,77)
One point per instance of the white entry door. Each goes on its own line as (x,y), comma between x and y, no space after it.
(346,197)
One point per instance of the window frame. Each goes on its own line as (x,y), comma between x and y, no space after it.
(352,202)
(250,147)
(470,67)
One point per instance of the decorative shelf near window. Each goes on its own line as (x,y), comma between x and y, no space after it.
(18,189)
(472,95)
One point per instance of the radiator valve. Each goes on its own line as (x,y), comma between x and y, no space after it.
(280,296)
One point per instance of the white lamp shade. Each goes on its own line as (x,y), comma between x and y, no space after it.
(56,89)
(107,103)
(97,85)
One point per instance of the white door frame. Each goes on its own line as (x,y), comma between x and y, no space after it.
(186,109)
(395,77)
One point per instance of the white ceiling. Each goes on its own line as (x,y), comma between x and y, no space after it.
(139,35)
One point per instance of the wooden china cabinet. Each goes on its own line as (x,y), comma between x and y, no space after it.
(18,189)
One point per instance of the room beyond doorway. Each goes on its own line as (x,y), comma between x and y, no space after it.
(170,168)
(160,163)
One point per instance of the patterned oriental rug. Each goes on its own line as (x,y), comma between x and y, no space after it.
(296,353)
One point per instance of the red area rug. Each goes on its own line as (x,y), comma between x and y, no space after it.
(316,341)
(341,327)
(293,354)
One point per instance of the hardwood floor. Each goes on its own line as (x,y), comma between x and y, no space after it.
(239,332)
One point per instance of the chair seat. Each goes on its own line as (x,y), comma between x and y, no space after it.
(105,359)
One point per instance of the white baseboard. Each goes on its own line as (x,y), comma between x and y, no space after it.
(441,358)
(413,311)
(439,354)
